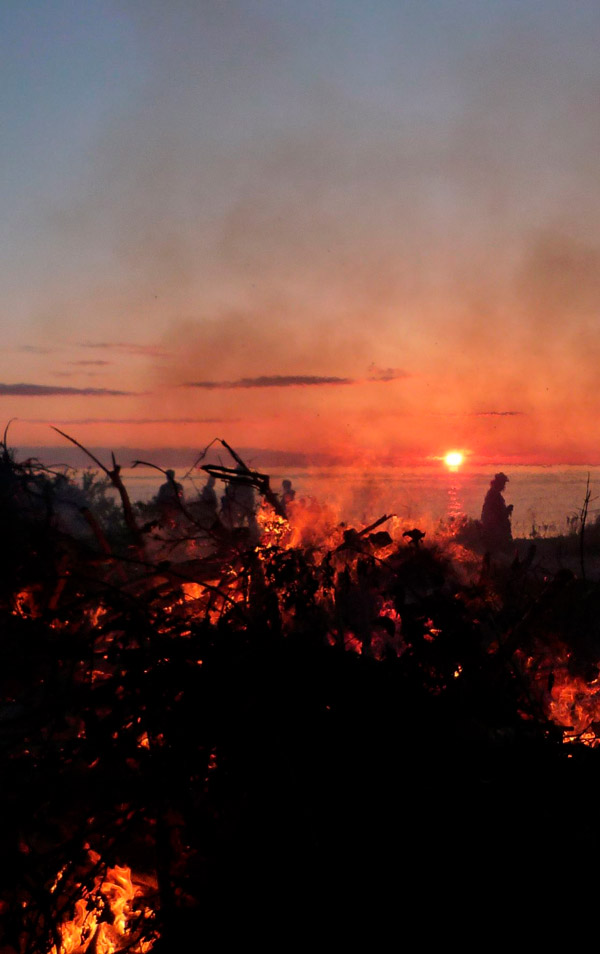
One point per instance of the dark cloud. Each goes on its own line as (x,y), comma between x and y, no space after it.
(498,413)
(270,381)
(128,347)
(34,349)
(89,363)
(385,374)
(134,420)
(43,390)
(297,380)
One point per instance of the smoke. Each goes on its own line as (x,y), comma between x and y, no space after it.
(291,195)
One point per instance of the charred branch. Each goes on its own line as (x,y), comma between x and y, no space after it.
(242,474)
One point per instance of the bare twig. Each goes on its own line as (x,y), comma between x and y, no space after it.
(115,478)
(5,453)
(201,457)
(583,518)
(84,449)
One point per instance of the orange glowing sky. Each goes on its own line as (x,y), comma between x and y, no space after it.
(358,230)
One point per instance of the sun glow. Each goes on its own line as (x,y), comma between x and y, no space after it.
(454,459)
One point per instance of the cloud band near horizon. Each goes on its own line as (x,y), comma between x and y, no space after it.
(295,380)
(498,413)
(270,381)
(136,421)
(45,390)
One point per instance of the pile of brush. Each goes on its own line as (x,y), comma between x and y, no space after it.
(267,720)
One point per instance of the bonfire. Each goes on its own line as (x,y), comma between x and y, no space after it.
(170,726)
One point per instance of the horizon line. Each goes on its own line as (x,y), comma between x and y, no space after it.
(303,458)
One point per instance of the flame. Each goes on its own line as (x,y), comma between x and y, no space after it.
(569,700)
(275,531)
(310,523)
(575,705)
(107,916)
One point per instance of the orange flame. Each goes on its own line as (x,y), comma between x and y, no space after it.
(575,705)
(107,916)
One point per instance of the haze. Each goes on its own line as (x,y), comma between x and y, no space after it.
(364,229)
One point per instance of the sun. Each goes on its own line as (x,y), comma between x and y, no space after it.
(454,459)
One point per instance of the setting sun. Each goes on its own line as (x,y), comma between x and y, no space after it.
(454,459)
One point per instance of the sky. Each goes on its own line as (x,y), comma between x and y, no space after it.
(368,230)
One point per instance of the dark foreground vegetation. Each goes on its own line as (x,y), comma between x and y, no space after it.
(349,722)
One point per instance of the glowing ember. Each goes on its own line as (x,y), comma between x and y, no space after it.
(575,705)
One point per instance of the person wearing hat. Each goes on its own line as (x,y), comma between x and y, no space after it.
(495,516)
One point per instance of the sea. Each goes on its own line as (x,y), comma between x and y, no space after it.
(547,501)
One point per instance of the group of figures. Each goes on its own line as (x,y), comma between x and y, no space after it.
(236,509)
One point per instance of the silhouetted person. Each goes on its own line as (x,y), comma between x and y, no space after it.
(169,498)
(288,494)
(238,506)
(208,496)
(495,516)
(208,504)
